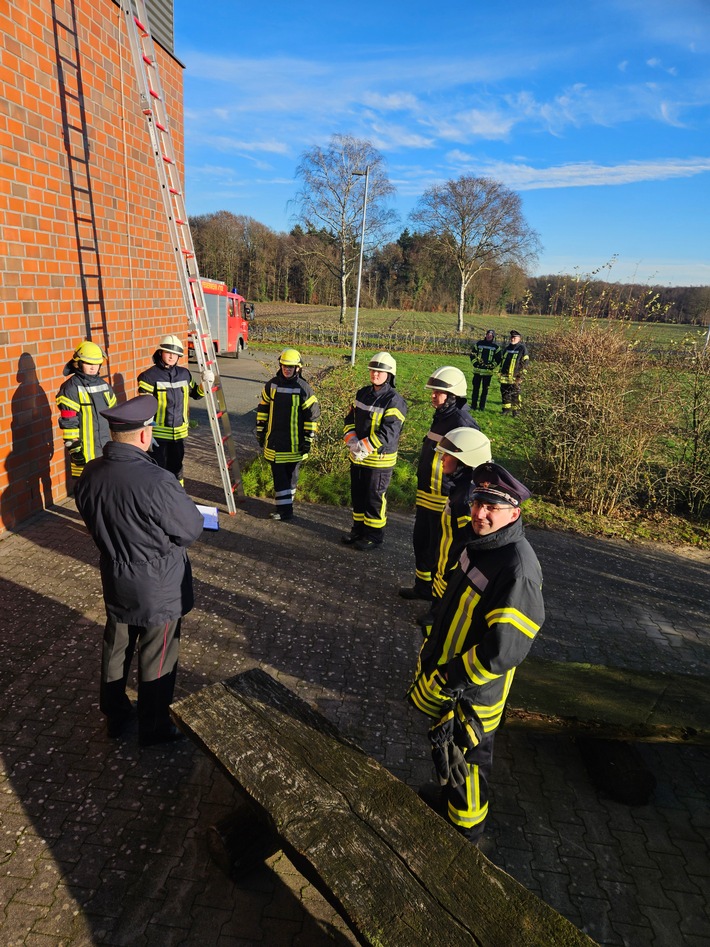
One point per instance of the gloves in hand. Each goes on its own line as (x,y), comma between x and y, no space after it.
(468,729)
(207,378)
(458,767)
(441,737)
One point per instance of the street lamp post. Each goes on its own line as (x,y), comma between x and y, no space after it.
(366,175)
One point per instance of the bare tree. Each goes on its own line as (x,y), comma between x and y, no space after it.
(331,199)
(478,223)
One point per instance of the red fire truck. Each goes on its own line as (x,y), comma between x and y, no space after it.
(228,315)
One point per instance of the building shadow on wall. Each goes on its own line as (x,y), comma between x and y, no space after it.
(29,486)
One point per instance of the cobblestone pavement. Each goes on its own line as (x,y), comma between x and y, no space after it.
(104,842)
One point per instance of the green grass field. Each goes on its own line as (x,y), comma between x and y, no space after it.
(444,323)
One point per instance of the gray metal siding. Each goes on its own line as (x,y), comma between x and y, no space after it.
(161,16)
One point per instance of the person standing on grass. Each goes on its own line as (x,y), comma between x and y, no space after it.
(513,365)
(371,432)
(484,359)
(286,423)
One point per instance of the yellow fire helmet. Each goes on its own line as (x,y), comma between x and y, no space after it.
(290,357)
(90,353)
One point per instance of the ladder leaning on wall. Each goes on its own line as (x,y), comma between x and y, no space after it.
(153,105)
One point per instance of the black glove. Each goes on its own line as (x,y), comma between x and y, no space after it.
(458,767)
(76,454)
(441,737)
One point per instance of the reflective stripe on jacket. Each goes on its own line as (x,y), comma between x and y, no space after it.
(287,419)
(80,400)
(483,629)
(172,386)
(432,486)
(513,362)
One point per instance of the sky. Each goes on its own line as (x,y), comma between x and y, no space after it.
(596,113)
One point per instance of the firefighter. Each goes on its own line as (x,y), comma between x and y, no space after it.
(462,450)
(172,385)
(484,628)
(448,398)
(371,431)
(142,521)
(81,399)
(286,423)
(513,364)
(484,359)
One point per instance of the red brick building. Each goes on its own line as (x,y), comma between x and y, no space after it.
(84,250)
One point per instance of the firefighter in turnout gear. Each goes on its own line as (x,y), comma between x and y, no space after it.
(81,399)
(484,360)
(172,386)
(286,423)
(448,398)
(484,628)
(513,364)
(142,521)
(462,450)
(371,432)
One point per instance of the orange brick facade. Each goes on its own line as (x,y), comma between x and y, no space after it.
(84,250)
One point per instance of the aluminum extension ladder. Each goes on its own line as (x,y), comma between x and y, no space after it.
(153,104)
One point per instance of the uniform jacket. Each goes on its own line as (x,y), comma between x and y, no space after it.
(142,521)
(485,356)
(432,486)
(172,385)
(287,419)
(377,416)
(514,359)
(456,529)
(484,628)
(80,399)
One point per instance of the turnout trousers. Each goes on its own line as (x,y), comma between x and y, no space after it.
(425,539)
(285,482)
(368,486)
(169,455)
(510,397)
(468,804)
(158,649)
(479,391)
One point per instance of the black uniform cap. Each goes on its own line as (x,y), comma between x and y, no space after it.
(492,483)
(514,332)
(132,414)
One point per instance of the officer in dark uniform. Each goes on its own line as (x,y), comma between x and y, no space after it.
(142,521)
(487,621)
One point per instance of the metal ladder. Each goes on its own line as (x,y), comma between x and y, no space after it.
(153,105)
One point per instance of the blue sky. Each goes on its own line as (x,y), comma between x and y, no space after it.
(597,113)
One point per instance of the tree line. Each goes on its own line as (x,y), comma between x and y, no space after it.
(468,249)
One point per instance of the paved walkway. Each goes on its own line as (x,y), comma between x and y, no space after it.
(104,842)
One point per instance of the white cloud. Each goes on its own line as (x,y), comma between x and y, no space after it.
(524,177)
(394,102)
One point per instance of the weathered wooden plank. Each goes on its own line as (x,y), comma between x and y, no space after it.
(398,874)
(610,703)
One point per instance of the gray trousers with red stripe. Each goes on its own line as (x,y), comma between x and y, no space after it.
(158,648)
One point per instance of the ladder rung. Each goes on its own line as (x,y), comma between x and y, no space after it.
(140,26)
(161,127)
(147,60)
(181,222)
(168,160)
(188,254)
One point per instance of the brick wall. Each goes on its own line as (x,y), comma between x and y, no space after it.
(73,92)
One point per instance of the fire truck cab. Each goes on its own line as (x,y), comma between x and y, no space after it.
(229,315)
